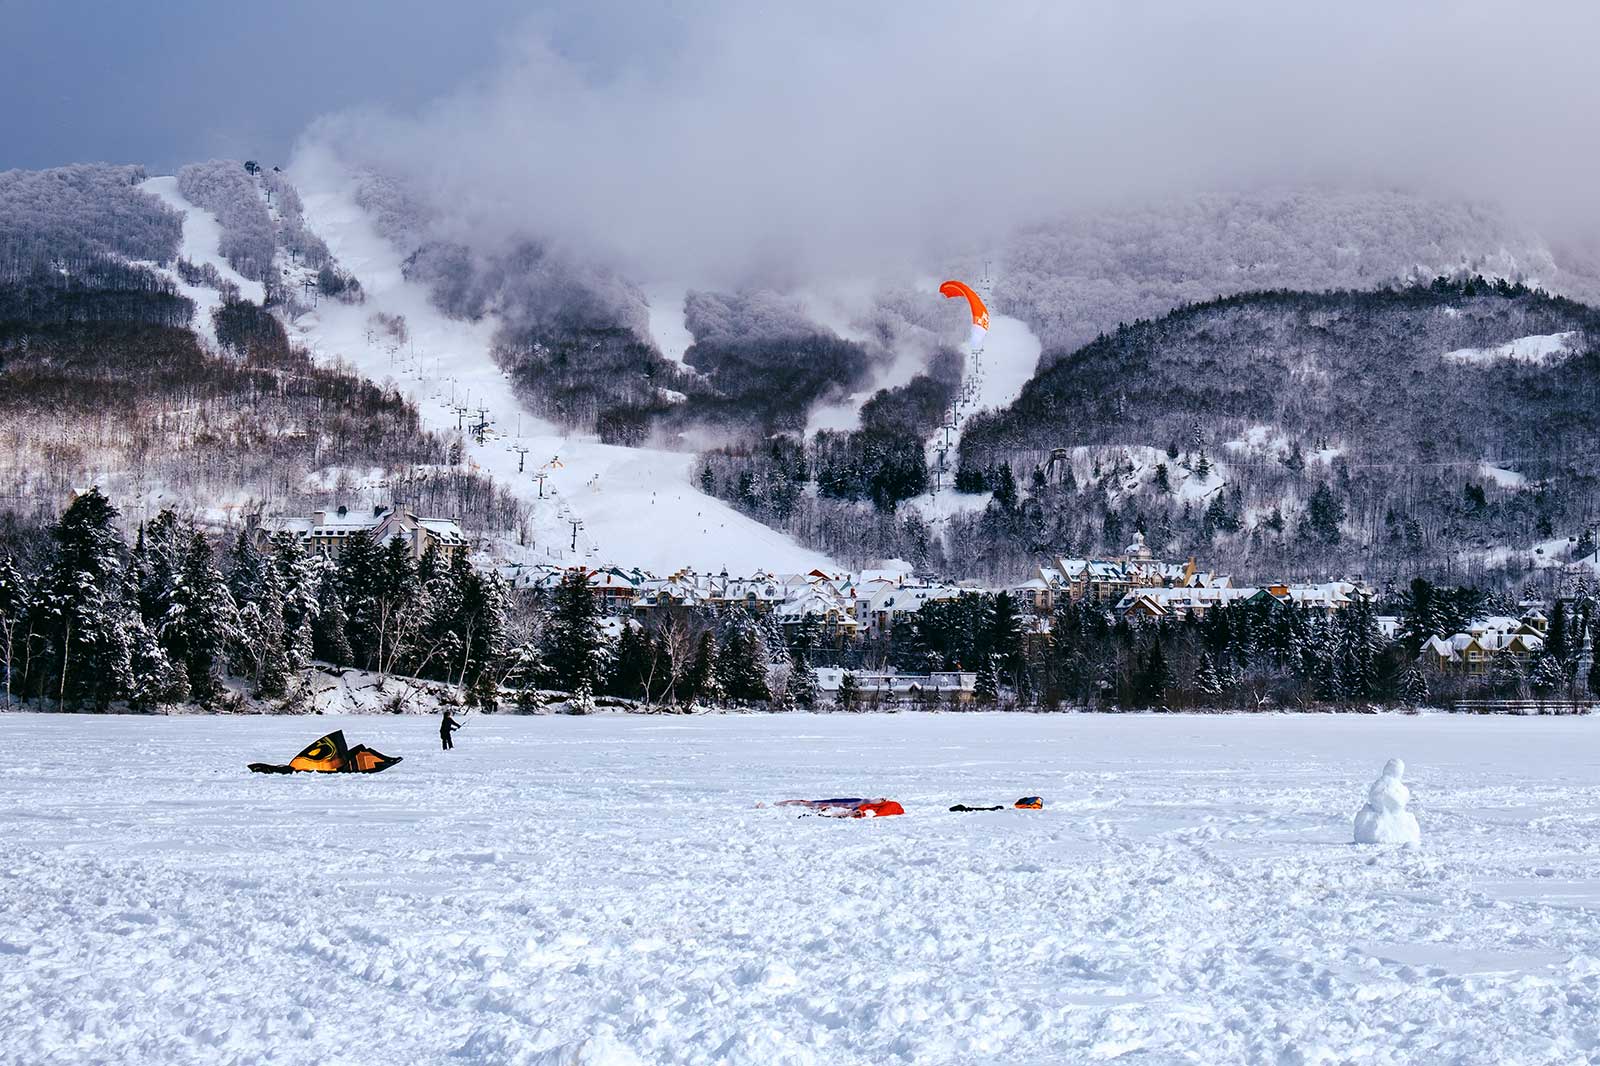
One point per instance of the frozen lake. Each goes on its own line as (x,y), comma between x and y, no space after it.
(605,891)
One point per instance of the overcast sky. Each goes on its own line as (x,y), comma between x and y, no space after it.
(166,82)
(725,135)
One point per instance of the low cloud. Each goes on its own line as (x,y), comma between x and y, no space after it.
(772,145)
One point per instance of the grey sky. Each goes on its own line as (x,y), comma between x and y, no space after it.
(170,81)
(739,138)
(726,136)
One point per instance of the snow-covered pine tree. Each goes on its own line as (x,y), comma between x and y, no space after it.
(1548,677)
(399,610)
(1003,640)
(481,619)
(524,666)
(849,691)
(1556,643)
(1413,688)
(745,660)
(360,585)
(14,599)
(1155,678)
(582,701)
(157,558)
(156,680)
(802,683)
(330,637)
(1594,659)
(301,578)
(88,610)
(703,681)
(1206,681)
(576,652)
(987,688)
(199,620)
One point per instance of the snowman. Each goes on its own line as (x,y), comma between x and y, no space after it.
(1385,820)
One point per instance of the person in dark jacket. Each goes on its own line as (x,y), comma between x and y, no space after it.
(447,725)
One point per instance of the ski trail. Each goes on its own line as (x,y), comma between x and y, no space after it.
(598,504)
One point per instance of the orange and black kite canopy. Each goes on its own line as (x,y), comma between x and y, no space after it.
(330,755)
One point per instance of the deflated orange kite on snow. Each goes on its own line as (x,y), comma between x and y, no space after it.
(980,314)
(329,755)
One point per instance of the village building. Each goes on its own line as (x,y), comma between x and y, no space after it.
(959,686)
(326,532)
(1474,651)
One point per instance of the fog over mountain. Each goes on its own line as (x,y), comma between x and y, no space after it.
(724,145)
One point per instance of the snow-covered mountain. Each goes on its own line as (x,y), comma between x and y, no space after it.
(586,397)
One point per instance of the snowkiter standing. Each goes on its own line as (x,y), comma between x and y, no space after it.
(447,725)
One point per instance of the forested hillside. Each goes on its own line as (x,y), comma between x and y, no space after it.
(1362,431)
(103,380)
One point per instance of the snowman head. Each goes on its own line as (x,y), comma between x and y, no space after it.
(1395,768)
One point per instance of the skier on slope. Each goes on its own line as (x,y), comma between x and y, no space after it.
(447,725)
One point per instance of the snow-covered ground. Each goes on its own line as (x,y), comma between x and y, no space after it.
(604,890)
(1537,349)
(636,507)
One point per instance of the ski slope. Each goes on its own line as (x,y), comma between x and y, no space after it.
(201,245)
(634,507)
(604,890)
(1009,358)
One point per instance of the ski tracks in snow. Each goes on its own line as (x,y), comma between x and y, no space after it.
(602,890)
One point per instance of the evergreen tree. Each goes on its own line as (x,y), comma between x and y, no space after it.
(157,560)
(300,577)
(1548,676)
(1002,642)
(330,638)
(1324,513)
(1163,480)
(1413,687)
(703,681)
(525,666)
(1594,659)
(849,691)
(260,650)
(88,611)
(480,619)
(1295,461)
(1005,488)
(1505,676)
(15,596)
(360,585)
(802,683)
(986,690)
(1556,644)
(247,569)
(397,615)
(744,661)
(582,701)
(1206,681)
(1155,677)
(632,665)
(575,649)
(199,620)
